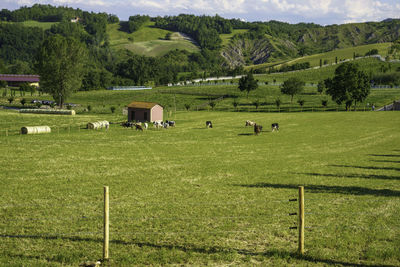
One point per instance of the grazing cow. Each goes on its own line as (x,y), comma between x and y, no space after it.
(157,124)
(170,123)
(127,124)
(138,127)
(146,125)
(250,123)
(165,125)
(257,129)
(275,126)
(208,124)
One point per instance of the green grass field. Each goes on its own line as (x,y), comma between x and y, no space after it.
(199,96)
(196,196)
(227,37)
(330,57)
(148,40)
(34,23)
(369,65)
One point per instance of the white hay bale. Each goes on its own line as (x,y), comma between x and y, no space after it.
(98,125)
(49,111)
(35,130)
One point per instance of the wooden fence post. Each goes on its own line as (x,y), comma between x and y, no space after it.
(106,224)
(6,132)
(301,220)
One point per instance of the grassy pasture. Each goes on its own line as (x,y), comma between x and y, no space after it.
(148,40)
(369,65)
(341,54)
(199,96)
(345,53)
(34,23)
(228,36)
(197,196)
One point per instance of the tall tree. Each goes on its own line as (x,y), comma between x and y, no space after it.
(248,83)
(60,66)
(292,86)
(349,84)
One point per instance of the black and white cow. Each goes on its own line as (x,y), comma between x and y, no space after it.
(275,126)
(127,124)
(209,124)
(170,123)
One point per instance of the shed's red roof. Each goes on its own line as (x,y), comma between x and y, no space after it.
(138,104)
(19,78)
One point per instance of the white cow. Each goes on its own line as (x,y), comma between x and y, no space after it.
(250,123)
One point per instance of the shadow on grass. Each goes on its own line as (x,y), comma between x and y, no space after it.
(363,176)
(272,253)
(348,190)
(383,155)
(367,167)
(34,257)
(388,161)
(246,134)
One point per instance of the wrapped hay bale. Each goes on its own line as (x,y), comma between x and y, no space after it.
(49,111)
(35,130)
(98,125)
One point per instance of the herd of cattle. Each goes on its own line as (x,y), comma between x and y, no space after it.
(160,124)
(140,126)
(258,128)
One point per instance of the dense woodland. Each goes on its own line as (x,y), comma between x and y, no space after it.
(105,67)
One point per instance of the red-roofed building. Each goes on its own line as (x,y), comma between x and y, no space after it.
(18,79)
(145,111)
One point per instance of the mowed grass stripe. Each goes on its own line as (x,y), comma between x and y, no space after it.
(191,195)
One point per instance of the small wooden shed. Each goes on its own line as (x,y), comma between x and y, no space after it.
(145,111)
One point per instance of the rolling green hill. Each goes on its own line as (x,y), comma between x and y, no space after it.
(329,57)
(34,23)
(148,40)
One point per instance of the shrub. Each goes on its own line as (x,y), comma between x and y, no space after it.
(256,103)
(278,103)
(89,108)
(187,107)
(301,103)
(212,104)
(23,101)
(235,103)
(112,109)
(10,99)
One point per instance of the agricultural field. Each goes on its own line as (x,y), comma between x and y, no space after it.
(34,23)
(228,36)
(148,40)
(195,196)
(368,65)
(330,57)
(223,93)
(341,54)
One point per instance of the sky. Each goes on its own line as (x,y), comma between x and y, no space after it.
(323,12)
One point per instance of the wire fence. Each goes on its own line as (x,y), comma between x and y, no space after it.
(277,216)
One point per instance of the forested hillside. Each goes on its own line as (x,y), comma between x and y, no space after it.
(114,61)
